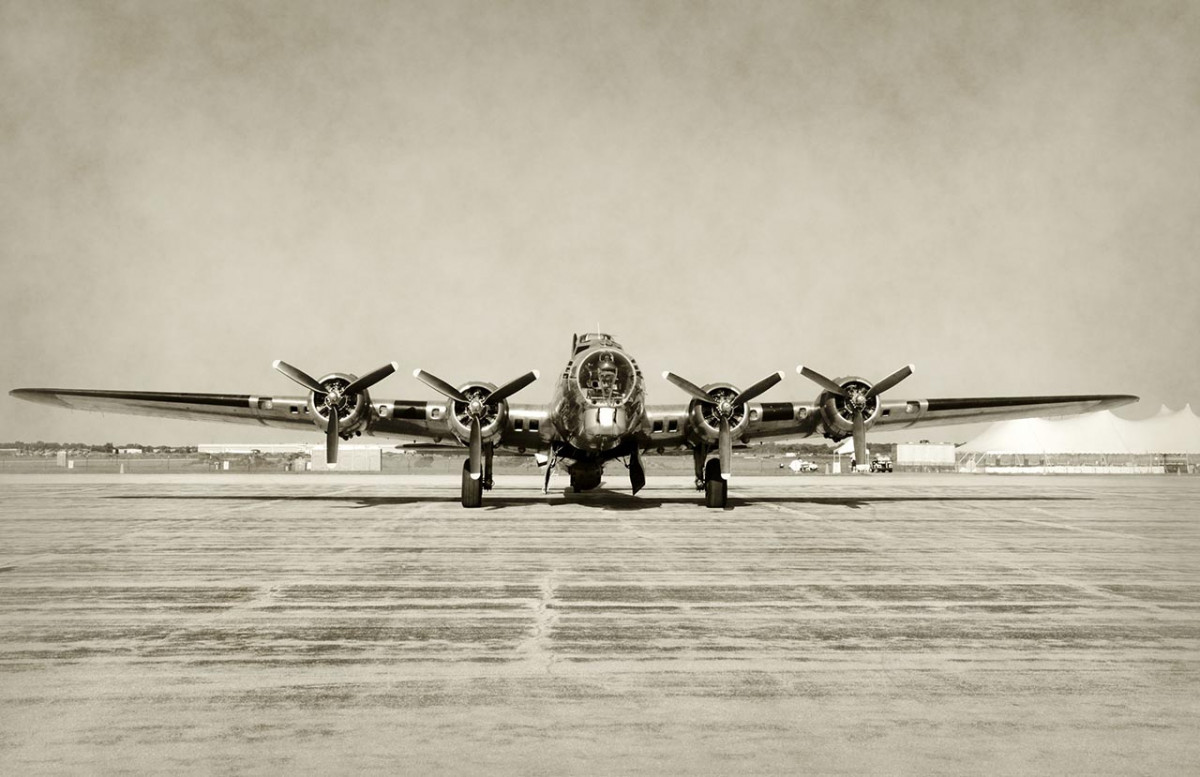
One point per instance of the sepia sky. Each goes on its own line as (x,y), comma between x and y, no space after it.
(1006,194)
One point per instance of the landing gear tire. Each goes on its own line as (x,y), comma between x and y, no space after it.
(472,490)
(716,488)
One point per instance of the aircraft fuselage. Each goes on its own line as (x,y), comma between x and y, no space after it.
(599,397)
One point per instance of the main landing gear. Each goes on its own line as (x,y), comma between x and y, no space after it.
(716,488)
(709,479)
(472,489)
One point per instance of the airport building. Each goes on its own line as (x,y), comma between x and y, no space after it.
(263,448)
(351,458)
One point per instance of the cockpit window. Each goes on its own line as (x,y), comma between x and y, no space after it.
(606,377)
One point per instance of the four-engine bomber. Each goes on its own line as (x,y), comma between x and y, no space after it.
(598,413)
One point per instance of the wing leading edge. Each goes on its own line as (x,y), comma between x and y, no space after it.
(902,414)
(285,413)
(399,418)
(805,419)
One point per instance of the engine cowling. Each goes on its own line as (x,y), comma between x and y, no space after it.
(492,419)
(836,412)
(353,409)
(705,418)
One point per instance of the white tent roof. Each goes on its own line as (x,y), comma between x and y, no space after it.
(1103,432)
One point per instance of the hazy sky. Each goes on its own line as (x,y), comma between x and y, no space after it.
(1006,194)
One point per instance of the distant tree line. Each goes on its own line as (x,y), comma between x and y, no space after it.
(42,446)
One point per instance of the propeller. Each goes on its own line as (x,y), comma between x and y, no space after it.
(723,408)
(335,396)
(476,408)
(857,397)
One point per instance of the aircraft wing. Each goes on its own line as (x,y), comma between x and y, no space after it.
(668,425)
(902,414)
(801,419)
(400,418)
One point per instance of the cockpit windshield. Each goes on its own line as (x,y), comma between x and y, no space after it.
(606,377)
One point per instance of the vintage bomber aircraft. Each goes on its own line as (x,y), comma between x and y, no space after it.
(598,414)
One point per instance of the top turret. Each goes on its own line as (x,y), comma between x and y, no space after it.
(590,339)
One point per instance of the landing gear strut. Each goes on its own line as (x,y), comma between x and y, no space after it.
(699,454)
(553,461)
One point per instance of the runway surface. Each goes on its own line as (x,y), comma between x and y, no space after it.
(335,624)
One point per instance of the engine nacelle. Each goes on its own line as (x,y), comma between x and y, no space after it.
(836,412)
(491,423)
(353,410)
(705,419)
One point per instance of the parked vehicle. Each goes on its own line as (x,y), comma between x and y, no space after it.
(802,465)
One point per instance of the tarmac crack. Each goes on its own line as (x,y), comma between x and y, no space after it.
(538,648)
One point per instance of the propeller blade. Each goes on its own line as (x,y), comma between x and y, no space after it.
(371,378)
(890,380)
(301,377)
(512,387)
(476,449)
(440,386)
(689,387)
(860,439)
(331,438)
(758,388)
(726,449)
(821,380)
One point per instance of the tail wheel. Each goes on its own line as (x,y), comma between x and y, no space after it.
(716,488)
(472,488)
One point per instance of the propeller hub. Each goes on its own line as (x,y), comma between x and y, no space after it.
(476,406)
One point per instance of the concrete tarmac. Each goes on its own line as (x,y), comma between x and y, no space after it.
(898,624)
